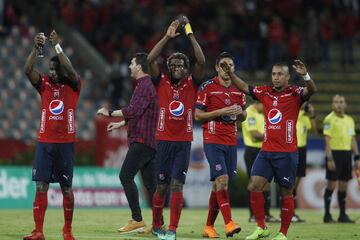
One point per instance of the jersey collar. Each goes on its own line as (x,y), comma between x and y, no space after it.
(287,89)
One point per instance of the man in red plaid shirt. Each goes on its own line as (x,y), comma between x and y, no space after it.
(141,118)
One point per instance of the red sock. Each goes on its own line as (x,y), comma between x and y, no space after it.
(68,205)
(222,197)
(157,210)
(213,209)
(39,208)
(287,212)
(176,204)
(257,202)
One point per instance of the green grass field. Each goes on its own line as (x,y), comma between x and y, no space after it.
(102,224)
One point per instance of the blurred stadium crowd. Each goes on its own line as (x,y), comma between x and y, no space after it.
(258,33)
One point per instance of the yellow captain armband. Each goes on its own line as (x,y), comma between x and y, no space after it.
(188,29)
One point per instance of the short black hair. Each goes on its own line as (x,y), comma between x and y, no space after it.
(224,55)
(283,65)
(141,59)
(178,55)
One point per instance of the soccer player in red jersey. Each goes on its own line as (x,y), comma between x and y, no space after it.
(54,156)
(177,94)
(219,105)
(278,156)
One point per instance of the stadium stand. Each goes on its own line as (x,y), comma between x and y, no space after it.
(119,28)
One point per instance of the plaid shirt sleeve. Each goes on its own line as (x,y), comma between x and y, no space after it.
(138,103)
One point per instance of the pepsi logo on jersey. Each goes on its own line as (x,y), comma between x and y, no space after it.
(56,107)
(176,108)
(274,116)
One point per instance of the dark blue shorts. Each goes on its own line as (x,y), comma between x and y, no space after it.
(281,165)
(222,160)
(172,161)
(54,163)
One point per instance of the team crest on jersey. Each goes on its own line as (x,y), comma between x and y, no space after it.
(274,116)
(56,94)
(227,102)
(176,108)
(56,107)
(176,95)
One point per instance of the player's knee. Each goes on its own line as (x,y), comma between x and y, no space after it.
(124,177)
(42,186)
(267,187)
(331,185)
(287,191)
(221,182)
(161,189)
(66,190)
(176,185)
(253,186)
(342,186)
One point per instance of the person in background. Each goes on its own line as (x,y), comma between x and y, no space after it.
(306,122)
(340,143)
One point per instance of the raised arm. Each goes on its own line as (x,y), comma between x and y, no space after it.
(310,87)
(155,52)
(32,74)
(199,67)
(64,60)
(239,83)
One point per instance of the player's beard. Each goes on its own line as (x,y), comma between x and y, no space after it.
(59,79)
(175,80)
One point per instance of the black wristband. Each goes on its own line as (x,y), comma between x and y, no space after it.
(356,157)
(110,113)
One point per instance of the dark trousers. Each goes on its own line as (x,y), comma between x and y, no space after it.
(139,157)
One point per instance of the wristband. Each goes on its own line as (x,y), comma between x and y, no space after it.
(356,157)
(306,77)
(188,29)
(58,49)
(110,113)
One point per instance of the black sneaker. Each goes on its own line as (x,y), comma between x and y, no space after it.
(345,219)
(297,219)
(328,218)
(271,219)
